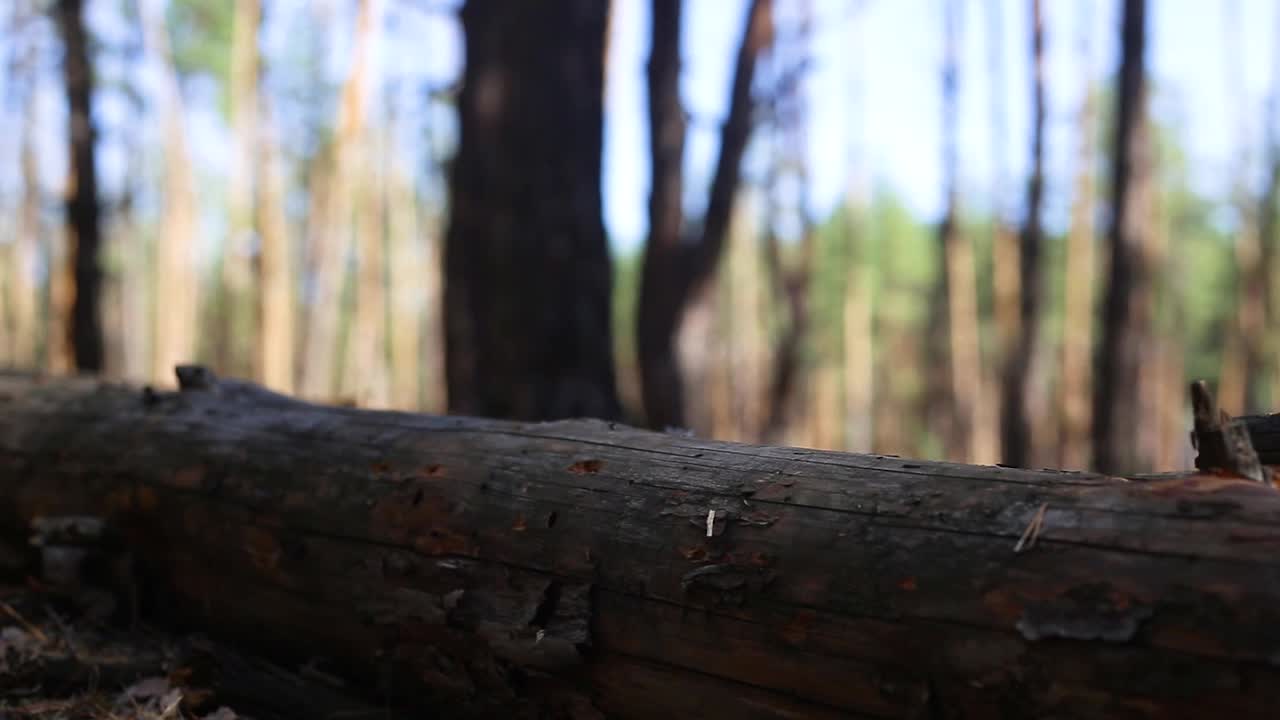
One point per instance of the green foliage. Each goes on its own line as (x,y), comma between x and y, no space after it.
(626,294)
(200,38)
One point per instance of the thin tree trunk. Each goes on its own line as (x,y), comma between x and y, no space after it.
(176,276)
(1245,326)
(792,281)
(1258,289)
(367,370)
(58,353)
(367,346)
(895,433)
(1127,312)
(277,306)
(528,282)
(83,214)
(21,287)
(1016,419)
(856,310)
(1075,386)
(748,358)
(661,381)
(412,279)
(333,210)
(435,391)
(859,366)
(965,437)
(675,271)
(1269,363)
(1006,265)
(236,323)
(792,285)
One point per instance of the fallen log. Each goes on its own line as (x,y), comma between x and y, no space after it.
(585,568)
(1264,432)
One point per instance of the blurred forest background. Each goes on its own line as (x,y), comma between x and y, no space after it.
(983,230)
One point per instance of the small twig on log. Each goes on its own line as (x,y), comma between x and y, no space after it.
(1028,539)
(1223,442)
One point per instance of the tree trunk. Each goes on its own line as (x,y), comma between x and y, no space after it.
(1078,307)
(235,322)
(1127,312)
(1005,264)
(277,300)
(368,367)
(481,567)
(412,282)
(83,215)
(957,394)
(1263,365)
(527,274)
(791,280)
(856,314)
(21,286)
(1016,419)
(176,279)
(333,202)
(675,271)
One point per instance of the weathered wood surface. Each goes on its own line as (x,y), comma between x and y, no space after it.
(479,566)
(1264,432)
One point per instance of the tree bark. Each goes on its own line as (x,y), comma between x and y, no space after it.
(335,185)
(1127,313)
(482,567)
(236,322)
(176,279)
(956,400)
(1016,419)
(1075,385)
(1263,365)
(1005,265)
(791,280)
(21,286)
(277,300)
(368,365)
(528,281)
(84,231)
(675,271)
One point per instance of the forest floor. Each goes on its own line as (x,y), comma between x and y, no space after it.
(59,660)
(62,658)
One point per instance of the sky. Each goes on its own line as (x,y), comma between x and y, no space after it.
(873,94)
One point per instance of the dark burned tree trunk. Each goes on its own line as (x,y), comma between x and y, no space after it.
(658,309)
(948,390)
(497,569)
(83,227)
(1126,316)
(674,268)
(1015,418)
(527,272)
